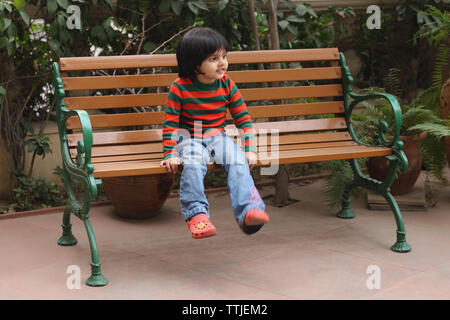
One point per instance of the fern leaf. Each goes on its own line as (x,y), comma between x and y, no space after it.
(441,61)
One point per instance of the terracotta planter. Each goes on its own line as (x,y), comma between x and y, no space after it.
(447,149)
(138,197)
(445,113)
(403,184)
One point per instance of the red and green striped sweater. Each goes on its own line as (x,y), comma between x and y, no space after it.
(196,106)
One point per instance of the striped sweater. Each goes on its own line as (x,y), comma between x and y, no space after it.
(199,108)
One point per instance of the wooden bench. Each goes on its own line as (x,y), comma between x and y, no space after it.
(312,82)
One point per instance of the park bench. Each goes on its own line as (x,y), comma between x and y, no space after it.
(308,102)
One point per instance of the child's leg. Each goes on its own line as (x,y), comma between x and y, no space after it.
(243,193)
(194,205)
(192,196)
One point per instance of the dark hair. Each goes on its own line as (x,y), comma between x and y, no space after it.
(195,46)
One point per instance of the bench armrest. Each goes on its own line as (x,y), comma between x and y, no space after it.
(383,129)
(383,126)
(357,98)
(84,147)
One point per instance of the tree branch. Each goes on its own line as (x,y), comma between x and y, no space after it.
(173,37)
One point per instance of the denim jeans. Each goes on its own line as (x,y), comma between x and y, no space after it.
(195,153)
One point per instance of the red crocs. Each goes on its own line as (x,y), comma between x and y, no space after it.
(201,227)
(255,217)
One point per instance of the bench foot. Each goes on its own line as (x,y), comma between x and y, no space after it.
(401,245)
(346,213)
(97,279)
(67,238)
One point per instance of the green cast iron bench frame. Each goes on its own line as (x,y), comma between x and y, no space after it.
(89,155)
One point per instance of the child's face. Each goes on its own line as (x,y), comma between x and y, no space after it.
(213,67)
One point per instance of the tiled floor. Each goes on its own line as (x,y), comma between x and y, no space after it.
(305,252)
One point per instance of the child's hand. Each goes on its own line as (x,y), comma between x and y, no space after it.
(172,164)
(252,158)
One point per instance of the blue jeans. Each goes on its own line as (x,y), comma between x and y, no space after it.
(195,154)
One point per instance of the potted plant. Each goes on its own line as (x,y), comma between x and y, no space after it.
(436,30)
(445,113)
(421,133)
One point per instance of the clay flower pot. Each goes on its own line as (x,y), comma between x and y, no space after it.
(404,183)
(138,197)
(445,113)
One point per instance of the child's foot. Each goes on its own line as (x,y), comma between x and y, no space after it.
(201,227)
(255,217)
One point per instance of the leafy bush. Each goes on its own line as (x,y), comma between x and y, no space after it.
(31,192)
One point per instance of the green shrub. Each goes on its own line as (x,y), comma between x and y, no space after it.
(31,193)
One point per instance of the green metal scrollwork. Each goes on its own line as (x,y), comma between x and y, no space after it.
(80,170)
(397,160)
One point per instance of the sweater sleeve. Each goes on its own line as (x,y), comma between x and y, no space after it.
(171,122)
(241,117)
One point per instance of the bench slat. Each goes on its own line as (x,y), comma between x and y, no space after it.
(151,135)
(299,146)
(115,82)
(131,157)
(278,93)
(159,99)
(307,138)
(273,75)
(99,151)
(127,168)
(115,101)
(165,79)
(117,62)
(327,154)
(169,60)
(256,112)
(295,109)
(302,125)
(291,55)
(119,137)
(119,120)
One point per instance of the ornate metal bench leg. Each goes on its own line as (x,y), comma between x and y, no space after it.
(382,188)
(394,162)
(67,238)
(96,279)
(401,245)
(346,211)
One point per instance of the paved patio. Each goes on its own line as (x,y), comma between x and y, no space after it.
(305,252)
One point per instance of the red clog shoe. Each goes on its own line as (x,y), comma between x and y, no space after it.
(201,227)
(255,217)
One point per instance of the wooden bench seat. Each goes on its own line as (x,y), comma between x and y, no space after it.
(144,158)
(301,113)
(138,153)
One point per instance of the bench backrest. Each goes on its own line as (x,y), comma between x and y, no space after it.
(308,84)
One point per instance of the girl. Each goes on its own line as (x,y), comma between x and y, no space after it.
(193,134)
